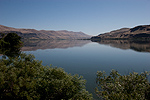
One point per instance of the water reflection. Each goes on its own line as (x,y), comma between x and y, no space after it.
(32,45)
(140,46)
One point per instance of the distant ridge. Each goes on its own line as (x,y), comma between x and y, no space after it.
(138,32)
(44,34)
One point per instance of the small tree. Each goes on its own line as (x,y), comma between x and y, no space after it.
(10,45)
(13,39)
(123,87)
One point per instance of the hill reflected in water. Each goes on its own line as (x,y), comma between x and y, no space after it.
(32,45)
(140,46)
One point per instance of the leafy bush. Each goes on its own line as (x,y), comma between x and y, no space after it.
(13,40)
(10,45)
(25,78)
(123,87)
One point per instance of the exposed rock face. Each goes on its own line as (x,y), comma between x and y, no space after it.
(141,32)
(44,34)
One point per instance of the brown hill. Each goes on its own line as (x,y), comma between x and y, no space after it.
(44,34)
(138,32)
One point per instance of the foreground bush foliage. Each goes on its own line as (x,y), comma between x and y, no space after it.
(10,44)
(123,87)
(25,78)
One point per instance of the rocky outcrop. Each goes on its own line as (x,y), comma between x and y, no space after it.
(138,32)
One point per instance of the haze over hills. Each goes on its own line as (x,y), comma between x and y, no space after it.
(142,32)
(44,34)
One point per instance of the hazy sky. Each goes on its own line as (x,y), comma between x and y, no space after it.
(89,16)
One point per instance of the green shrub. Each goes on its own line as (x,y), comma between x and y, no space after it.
(13,40)
(123,87)
(25,78)
(10,45)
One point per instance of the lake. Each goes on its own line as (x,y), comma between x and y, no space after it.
(85,58)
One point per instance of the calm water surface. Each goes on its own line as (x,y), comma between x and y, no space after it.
(86,58)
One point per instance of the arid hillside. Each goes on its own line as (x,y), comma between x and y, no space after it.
(138,32)
(44,34)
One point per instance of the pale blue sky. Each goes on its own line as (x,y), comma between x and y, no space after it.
(89,16)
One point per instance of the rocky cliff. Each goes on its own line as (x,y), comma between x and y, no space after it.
(138,32)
